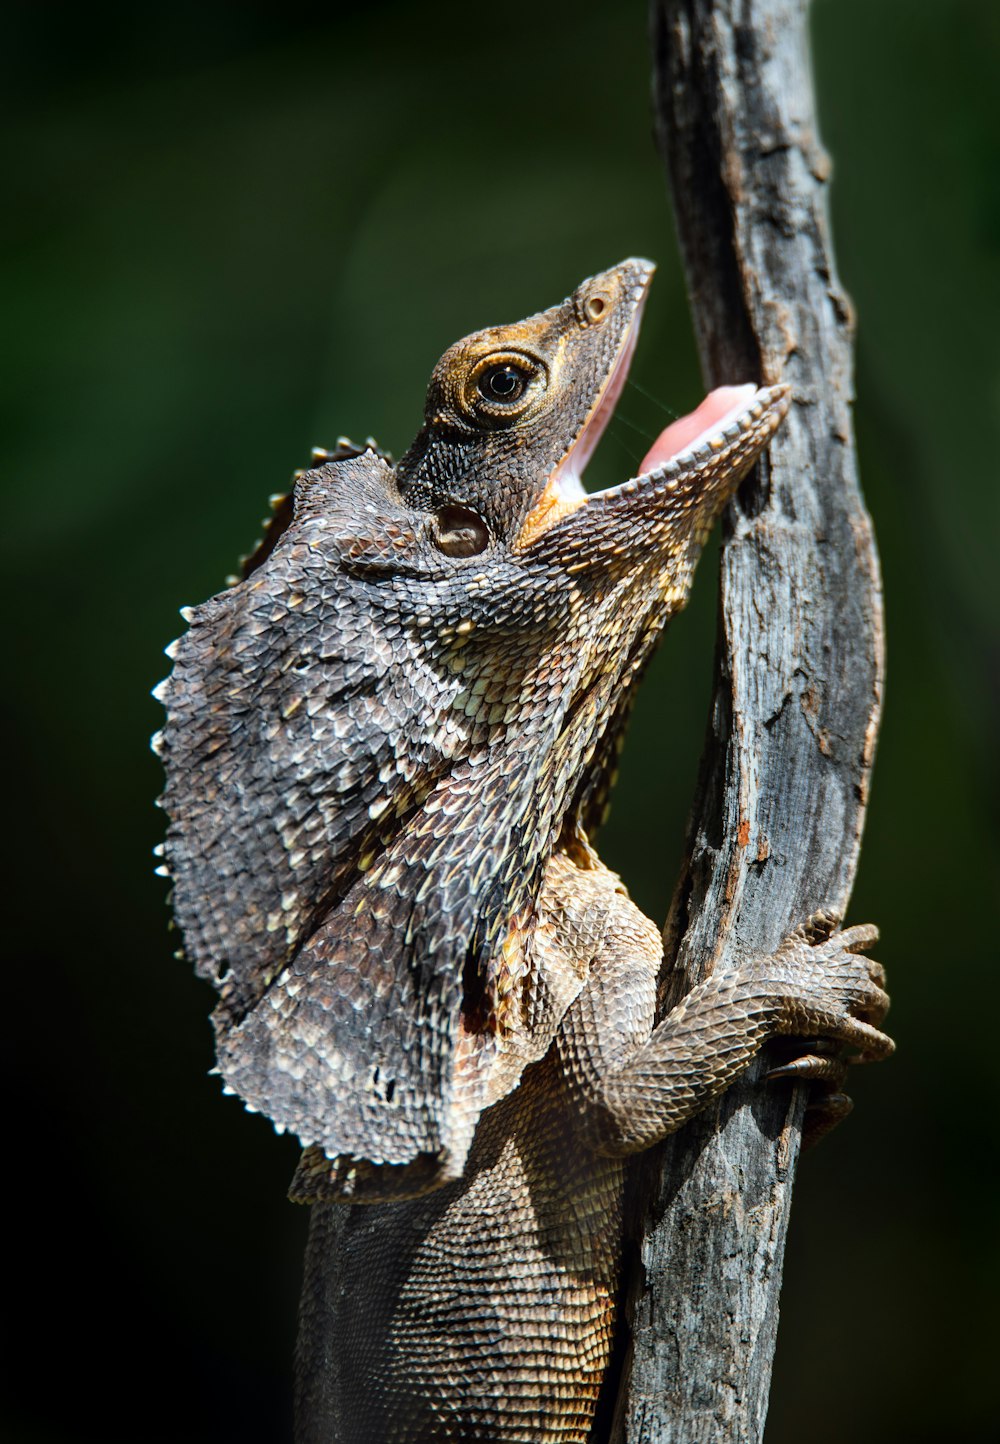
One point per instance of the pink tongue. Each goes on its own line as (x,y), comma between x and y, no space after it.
(716,407)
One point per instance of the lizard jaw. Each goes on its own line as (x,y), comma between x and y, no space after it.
(720,409)
(565,480)
(564,491)
(716,442)
(723,435)
(691,470)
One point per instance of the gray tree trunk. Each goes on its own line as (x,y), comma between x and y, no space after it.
(777,818)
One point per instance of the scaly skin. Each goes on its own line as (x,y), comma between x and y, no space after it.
(386,751)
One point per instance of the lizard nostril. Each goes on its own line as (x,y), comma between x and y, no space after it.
(596,308)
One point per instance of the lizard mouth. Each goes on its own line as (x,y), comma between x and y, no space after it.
(711,448)
(725,432)
(709,422)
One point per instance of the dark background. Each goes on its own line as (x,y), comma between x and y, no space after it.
(236,230)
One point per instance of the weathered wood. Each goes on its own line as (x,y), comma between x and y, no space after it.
(780,804)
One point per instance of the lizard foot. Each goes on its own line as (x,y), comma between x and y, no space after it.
(834,996)
(830,990)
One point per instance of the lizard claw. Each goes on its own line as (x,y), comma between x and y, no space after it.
(828,1104)
(812,1067)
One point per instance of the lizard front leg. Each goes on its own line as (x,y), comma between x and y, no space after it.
(632,1084)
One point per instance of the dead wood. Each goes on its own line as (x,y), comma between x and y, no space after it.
(778,813)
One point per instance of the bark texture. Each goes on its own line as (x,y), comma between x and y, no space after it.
(778,814)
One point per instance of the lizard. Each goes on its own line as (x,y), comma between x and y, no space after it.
(388,749)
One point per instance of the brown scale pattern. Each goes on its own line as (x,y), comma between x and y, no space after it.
(386,748)
(485,1309)
(428,1347)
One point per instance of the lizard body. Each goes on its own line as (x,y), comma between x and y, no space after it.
(387,749)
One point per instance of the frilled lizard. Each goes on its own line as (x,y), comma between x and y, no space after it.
(387,749)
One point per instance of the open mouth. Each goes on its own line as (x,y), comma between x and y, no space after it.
(566,481)
(720,410)
(738,419)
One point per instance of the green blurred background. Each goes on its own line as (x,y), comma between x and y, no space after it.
(234,230)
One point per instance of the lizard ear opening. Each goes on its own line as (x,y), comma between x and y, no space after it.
(459,532)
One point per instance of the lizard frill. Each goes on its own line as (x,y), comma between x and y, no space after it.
(375,740)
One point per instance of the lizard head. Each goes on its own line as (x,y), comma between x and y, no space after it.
(510,406)
(375,740)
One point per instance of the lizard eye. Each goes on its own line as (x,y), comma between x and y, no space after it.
(459,532)
(500,388)
(503,384)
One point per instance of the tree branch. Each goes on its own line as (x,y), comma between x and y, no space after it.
(777,818)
